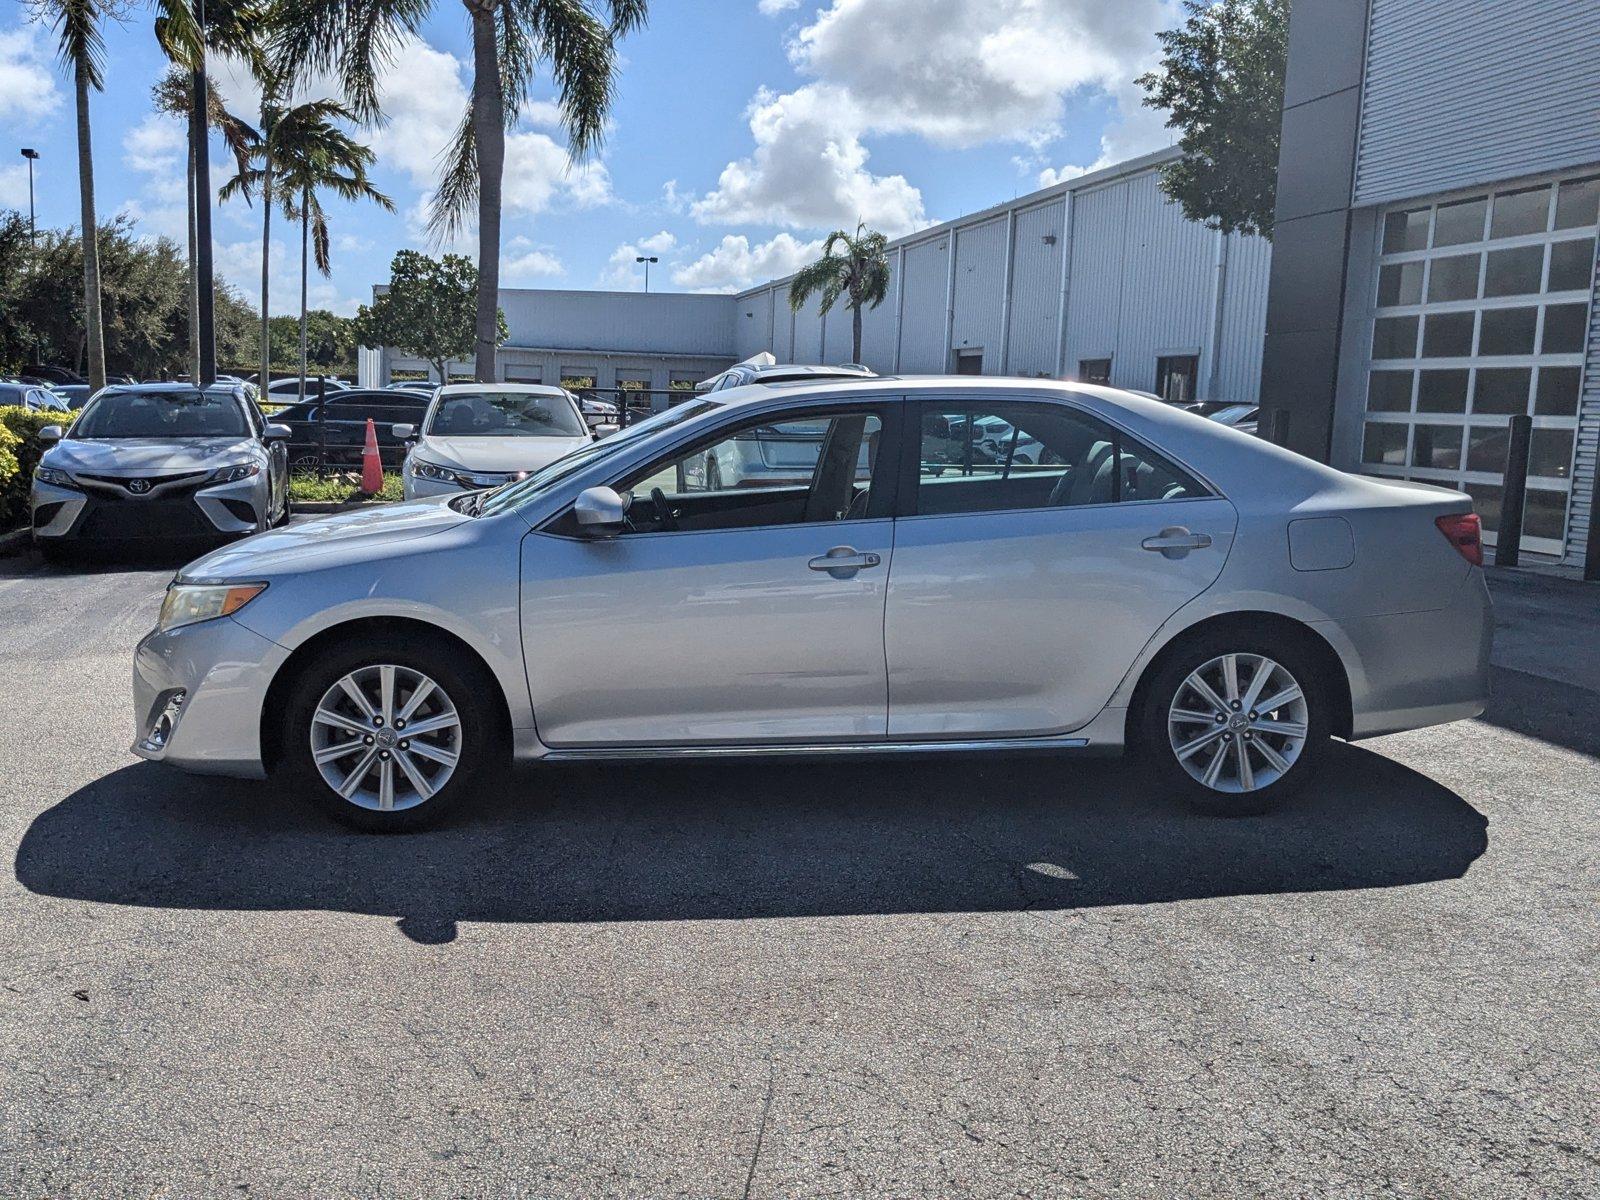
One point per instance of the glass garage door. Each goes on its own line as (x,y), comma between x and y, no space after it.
(1481,312)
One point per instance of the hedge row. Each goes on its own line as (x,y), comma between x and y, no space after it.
(20,449)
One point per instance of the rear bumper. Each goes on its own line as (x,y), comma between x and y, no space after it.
(1410,670)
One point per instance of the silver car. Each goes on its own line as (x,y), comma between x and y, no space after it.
(1161,583)
(160,462)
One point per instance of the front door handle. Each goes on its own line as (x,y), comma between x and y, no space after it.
(842,562)
(1175,541)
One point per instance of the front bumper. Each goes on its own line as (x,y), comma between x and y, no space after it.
(222,671)
(109,513)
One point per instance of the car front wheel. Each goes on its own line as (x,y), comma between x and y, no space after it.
(1234,725)
(388,735)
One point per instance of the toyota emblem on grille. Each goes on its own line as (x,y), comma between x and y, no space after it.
(138,486)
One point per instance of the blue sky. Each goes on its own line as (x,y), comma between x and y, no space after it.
(743,130)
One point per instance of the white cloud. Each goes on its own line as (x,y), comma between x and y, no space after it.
(27,84)
(155,144)
(14,187)
(735,263)
(674,199)
(622,270)
(528,261)
(1136,130)
(771,8)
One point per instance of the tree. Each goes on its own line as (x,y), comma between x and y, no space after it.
(330,343)
(511,39)
(860,273)
(429,311)
(82,51)
(16,333)
(1221,82)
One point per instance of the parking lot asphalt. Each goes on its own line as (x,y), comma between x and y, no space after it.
(995,976)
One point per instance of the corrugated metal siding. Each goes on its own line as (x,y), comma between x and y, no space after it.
(782,326)
(1036,290)
(838,345)
(1582,513)
(752,323)
(877,329)
(808,333)
(923,332)
(980,291)
(1094,294)
(1244,319)
(1168,287)
(1461,92)
(661,322)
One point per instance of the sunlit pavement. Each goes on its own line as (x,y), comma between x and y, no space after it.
(987,977)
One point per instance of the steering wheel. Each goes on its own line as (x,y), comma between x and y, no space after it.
(666,519)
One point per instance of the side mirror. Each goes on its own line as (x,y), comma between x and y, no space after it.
(50,433)
(403,432)
(278,433)
(605,430)
(600,511)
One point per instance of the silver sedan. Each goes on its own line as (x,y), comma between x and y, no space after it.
(1155,581)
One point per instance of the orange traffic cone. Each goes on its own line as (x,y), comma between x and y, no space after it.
(371,464)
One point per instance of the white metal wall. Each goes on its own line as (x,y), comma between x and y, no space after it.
(980,290)
(1243,328)
(1586,459)
(1461,92)
(1094,291)
(1038,249)
(923,326)
(752,323)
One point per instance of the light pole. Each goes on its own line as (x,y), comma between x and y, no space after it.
(199,144)
(647,259)
(29,153)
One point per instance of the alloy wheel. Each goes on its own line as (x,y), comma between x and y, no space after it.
(386,737)
(1238,723)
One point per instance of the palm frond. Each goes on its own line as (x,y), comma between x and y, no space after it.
(80,45)
(458,184)
(582,58)
(817,279)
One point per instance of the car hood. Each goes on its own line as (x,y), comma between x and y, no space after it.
(149,456)
(327,541)
(497,453)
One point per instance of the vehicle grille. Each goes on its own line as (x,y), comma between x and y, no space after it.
(127,483)
(163,518)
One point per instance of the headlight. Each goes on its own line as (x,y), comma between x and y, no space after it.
(53,475)
(187,603)
(428,470)
(234,473)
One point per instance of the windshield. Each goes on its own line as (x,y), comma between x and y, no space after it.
(166,414)
(512,494)
(505,414)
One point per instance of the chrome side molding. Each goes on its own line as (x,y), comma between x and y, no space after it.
(634,753)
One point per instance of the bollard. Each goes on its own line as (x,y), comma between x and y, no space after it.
(1508,542)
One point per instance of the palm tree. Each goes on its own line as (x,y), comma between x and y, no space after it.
(861,273)
(308,153)
(511,39)
(82,51)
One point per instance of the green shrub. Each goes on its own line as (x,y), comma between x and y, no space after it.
(20,449)
(309,488)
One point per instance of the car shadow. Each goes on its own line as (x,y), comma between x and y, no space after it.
(754,839)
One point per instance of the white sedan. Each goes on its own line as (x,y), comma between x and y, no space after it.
(481,435)
(1161,583)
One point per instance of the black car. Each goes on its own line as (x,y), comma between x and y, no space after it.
(345,422)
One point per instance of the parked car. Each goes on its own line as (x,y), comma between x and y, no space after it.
(346,414)
(409,385)
(764,369)
(480,435)
(76,395)
(42,373)
(287,391)
(160,462)
(32,396)
(1215,603)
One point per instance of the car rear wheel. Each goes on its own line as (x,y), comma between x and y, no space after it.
(388,735)
(1233,724)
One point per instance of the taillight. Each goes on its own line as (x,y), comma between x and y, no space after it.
(1465,532)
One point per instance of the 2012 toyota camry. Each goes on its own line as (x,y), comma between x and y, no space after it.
(1154,581)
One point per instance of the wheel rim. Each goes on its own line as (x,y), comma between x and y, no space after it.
(1238,723)
(386,737)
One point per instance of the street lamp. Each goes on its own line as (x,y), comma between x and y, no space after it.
(30,154)
(647,259)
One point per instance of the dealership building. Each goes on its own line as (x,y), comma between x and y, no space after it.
(1432,271)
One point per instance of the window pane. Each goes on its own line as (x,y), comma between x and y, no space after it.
(1571,266)
(1437,446)
(1486,503)
(1558,392)
(1384,444)
(1517,213)
(1502,391)
(1443,391)
(1507,330)
(1405,231)
(1550,453)
(1400,283)
(1577,203)
(1544,514)
(1514,272)
(1394,337)
(1460,222)
(1447,335)
(1390,391)
(1453,278)
(1564,328)
(1486,447)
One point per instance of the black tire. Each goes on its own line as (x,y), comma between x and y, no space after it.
(53,551)
(1154,743)
(468,687)
(288,510)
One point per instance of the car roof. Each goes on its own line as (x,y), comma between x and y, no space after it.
(532,389)
(145,389)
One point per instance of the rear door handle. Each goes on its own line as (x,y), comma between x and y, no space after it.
(842,562)
(1175,541)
